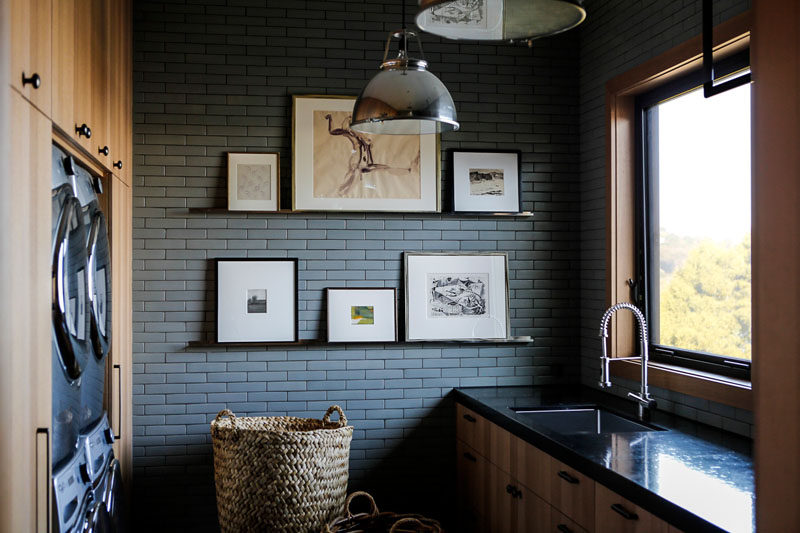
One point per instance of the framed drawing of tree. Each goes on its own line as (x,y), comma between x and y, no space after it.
(338,169)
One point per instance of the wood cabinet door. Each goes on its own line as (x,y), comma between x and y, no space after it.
(615,514)
(531,466)
(560,523)
(25,317)
(471,488)
(99,79)
(30,51)
(532,514)
(121,92)
(499,504)
(572,493)
(472,429)
(64,65)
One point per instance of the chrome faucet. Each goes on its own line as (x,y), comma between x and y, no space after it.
(643,399)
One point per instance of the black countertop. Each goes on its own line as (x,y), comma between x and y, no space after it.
(693,476)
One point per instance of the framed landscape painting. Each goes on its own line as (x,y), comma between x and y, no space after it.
(456,296)
(486,181)
(338,169)
(253,181)
(362,314)
(256,300)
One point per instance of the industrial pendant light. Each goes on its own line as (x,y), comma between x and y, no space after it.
(499,20)
(404,98)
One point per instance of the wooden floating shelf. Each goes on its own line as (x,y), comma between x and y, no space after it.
(318,342)
(222,210)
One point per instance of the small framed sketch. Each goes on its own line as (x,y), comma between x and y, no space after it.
(253,181)
(338,169)
(257,300)
(456,296)
(362,314)
(486,181)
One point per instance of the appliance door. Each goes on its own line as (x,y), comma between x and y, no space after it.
(112,497)
(99,285)
(97,520)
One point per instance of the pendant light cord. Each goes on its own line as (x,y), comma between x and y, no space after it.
(404,39)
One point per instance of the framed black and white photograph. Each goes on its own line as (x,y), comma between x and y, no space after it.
(253,181)
(257,300)
(456,296)
(336,168)
(362,314)
(486,181)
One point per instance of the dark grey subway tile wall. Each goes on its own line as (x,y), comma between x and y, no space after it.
(616,37)
(213,76)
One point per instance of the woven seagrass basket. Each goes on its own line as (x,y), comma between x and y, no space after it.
(377,522)
(280,473)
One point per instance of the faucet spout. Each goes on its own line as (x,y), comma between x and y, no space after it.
(643,399)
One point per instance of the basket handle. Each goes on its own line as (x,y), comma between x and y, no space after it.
(402,521)
(225,412)
(326,418)
(373,505)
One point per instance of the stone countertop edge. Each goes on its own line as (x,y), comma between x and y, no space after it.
(659,506)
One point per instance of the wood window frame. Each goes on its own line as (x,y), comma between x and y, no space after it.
(730,37)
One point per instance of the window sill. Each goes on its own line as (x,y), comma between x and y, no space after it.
(721,389)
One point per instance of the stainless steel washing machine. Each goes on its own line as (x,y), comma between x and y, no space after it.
(104,473)
(75,509)
(98,268)
(70,312)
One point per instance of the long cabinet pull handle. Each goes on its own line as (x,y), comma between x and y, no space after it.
(470,418)
(568,478)
(118,408)
(470,457)
(628,515)
(34,80)
(42,480)
(563,528)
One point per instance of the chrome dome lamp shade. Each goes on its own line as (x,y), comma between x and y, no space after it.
(404,98)
(499,20)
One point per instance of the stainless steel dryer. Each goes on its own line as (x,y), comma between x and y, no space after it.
(98,267)
(70,313)
(75,509)
(104,473)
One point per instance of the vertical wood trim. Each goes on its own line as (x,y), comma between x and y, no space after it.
(775,56)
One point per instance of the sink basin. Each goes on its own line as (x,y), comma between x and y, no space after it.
(574,420)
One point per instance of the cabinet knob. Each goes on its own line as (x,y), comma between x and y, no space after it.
(103,150)
(34,80)
(84,130)
(118,164)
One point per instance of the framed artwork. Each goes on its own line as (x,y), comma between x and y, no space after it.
(362,314)
(337,169)
(456,296)
(465,19)
(253,181)
(486,181)
(257,300)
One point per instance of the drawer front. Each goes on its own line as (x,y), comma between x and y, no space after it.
(572,494)
(560,523)
(471,429)
(533,514)
(532,468)
(615,514)
(471,489)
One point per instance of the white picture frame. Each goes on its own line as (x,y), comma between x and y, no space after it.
(456,296)
(460,21)
(337,169)
(253,181)
(257,300)
(486,181)
(362,314)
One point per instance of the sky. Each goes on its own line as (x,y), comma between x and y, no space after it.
(704,158)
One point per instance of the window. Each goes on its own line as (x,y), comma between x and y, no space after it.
(693,218)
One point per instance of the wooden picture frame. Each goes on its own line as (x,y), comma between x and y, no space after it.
(254,181)
(337,169)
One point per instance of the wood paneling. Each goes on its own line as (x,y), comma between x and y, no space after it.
(99,78)
(64,66)
(121,99)
(572,493)
(25,317)
(607,520)
(121,358)
(775,56)
(30,50)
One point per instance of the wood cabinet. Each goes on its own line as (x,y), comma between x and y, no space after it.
(25,317)
(615,514)
(31,65)
(121,99)
(572,493)
(471,488)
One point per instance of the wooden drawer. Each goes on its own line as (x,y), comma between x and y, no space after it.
(471,488)
(615,514)
(572,493)
(471,429)
(531,514)
(531,467)
(560,523)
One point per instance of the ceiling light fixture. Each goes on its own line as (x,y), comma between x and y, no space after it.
(404,98)
(499,20)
